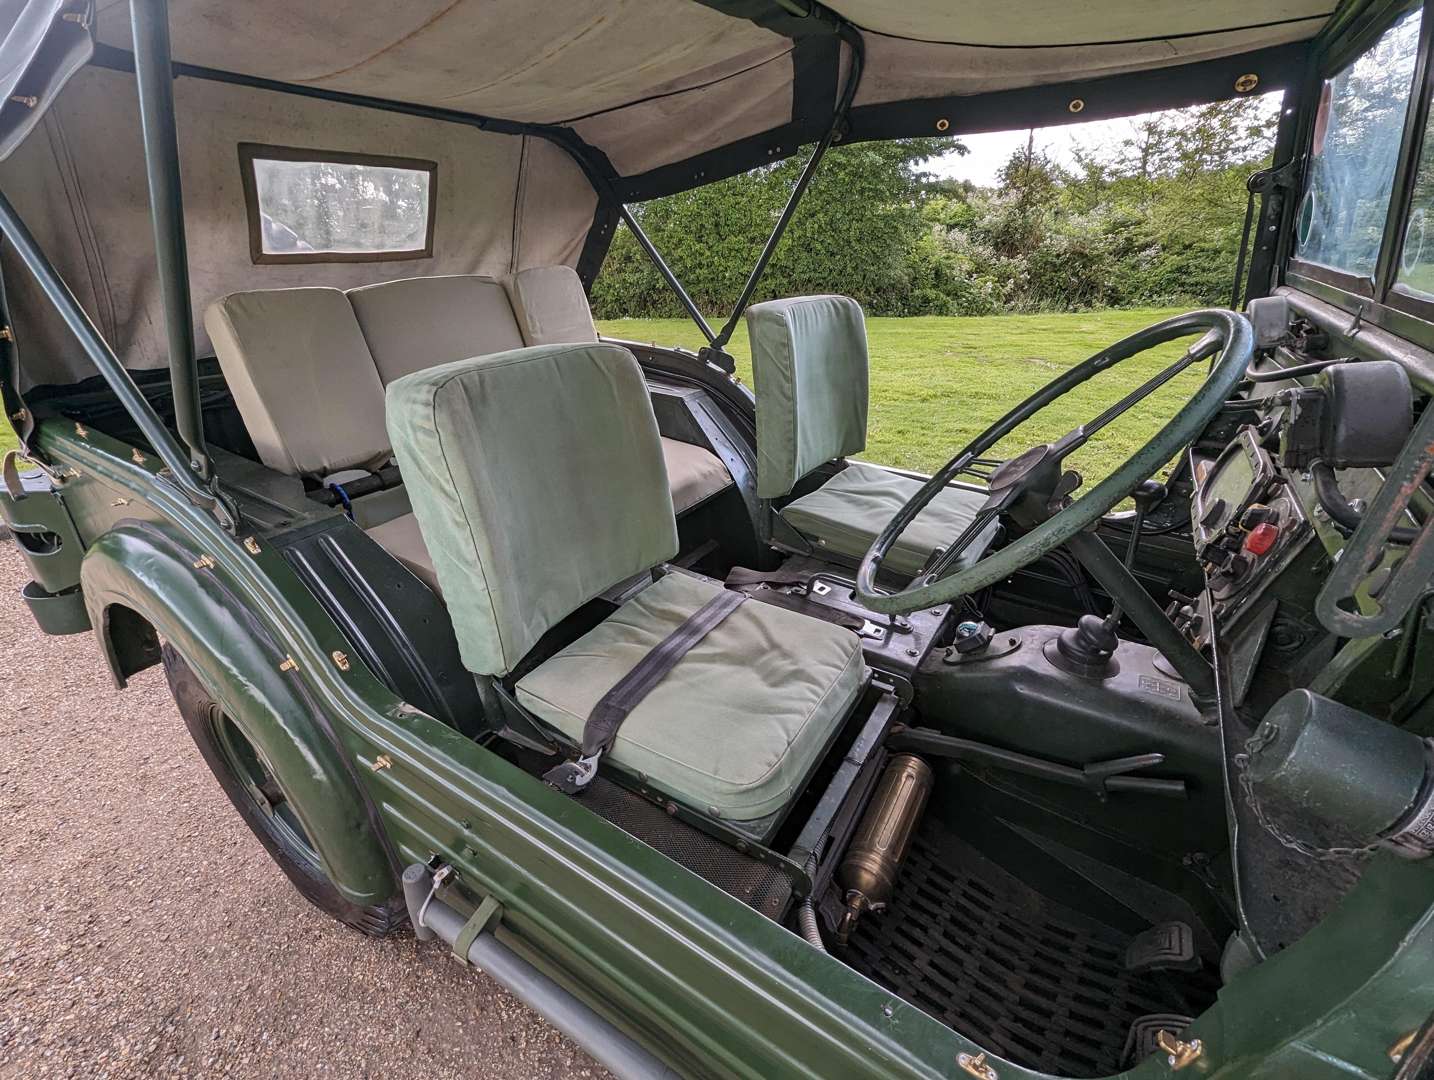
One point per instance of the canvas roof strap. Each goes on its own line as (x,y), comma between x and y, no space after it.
(571,777)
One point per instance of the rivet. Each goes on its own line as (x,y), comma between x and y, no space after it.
(28,101)
(251,545)
(204,562)
(1246,82)
(1076,105)
(288,664)
(341,660)
(943,124)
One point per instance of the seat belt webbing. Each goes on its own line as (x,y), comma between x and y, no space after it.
(613,707)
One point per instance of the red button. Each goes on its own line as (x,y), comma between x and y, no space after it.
(1261,538)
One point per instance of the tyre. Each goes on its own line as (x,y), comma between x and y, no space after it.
(265,806)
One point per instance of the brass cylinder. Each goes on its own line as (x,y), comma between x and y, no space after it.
(868,872)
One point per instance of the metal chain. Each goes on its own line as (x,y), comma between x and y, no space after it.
(1309,850)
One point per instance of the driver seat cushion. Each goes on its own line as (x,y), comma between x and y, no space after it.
(845,515)
(737,726)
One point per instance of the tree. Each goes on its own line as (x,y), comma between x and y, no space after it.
(853,232)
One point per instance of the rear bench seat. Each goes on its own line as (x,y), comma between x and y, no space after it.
(308,367)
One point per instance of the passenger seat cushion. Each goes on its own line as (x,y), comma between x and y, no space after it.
(552,305)
(694,473)
(809,363)
(738,724)
(846,514)
(537,478)
(418,323)
(302,378)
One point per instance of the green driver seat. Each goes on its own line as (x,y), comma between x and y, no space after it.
(809,361)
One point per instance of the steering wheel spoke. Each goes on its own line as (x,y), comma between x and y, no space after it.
(1053,520)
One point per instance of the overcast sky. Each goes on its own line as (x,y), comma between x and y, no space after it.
(989,152)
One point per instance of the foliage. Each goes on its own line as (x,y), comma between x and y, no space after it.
(1155,220)
(855,232)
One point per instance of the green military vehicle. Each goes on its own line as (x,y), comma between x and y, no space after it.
(730,753)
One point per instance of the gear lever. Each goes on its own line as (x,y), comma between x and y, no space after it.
(1087,648)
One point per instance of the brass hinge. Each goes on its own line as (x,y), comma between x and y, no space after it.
(204,562)
(341,660)
(383,761)
(1179,1053)
(289,664)
(251,545)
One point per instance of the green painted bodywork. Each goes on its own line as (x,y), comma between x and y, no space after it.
(708,984)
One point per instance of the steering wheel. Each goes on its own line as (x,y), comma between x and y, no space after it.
(1033,488)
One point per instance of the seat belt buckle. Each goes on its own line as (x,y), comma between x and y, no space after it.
(572,777)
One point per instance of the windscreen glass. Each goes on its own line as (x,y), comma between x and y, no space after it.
(1354,151)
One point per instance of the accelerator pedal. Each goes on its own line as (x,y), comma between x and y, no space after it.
(1164,947)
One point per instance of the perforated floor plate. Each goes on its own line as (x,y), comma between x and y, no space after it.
(1023,977)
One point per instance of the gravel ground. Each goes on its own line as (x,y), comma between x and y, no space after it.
(145,932)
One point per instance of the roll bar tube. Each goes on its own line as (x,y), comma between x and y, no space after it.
(149,20)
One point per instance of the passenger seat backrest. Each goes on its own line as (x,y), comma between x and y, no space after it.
(538,481)
(809,363)
(418,323)
(552,305)
(302,378)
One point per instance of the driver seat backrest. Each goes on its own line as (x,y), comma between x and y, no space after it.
(809,363)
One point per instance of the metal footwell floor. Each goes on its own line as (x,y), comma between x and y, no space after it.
(1021,976)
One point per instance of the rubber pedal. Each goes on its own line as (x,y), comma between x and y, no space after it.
(1140,1042)
(1164,947)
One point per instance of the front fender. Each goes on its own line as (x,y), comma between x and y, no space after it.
(149,570)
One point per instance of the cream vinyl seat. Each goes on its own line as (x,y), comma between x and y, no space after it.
(308,366)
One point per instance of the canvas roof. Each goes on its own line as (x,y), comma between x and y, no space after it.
(666,94)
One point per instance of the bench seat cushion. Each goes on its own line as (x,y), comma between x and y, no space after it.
(846,514)
(735,728)
(401,538)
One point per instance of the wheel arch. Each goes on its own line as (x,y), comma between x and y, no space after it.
(142,584)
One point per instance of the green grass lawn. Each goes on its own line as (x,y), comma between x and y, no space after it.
(938,382)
